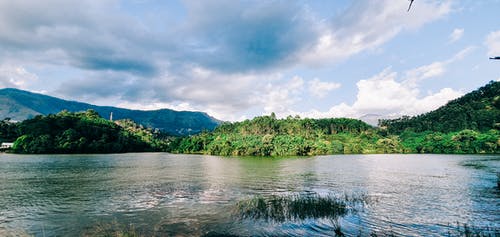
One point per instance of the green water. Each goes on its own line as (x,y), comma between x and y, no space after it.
(163,194)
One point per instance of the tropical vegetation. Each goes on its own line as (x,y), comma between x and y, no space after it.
(268,136)
(81,132)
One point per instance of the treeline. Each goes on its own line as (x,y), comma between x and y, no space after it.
(478,110)
(81,132)
(268,136)
(462,142)
(8,130)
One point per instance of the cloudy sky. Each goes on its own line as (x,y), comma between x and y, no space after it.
(240,59)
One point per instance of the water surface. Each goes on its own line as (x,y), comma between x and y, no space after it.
(165,194)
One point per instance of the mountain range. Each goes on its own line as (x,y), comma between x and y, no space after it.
(19,105)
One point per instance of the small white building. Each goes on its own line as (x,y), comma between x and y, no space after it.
(6,145)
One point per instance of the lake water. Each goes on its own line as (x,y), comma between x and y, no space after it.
(188,195)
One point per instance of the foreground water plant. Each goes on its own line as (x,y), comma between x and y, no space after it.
(296,207)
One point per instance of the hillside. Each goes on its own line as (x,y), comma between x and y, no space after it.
(20,105)
(293,136)
(477,110)
(82,132)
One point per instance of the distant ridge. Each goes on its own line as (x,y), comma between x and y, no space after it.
(20,105)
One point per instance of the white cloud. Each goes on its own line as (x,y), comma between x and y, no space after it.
(493,43)
(389,94)
(434,101)
(15,76)
(427,71)
(279,98)
(456,35)
(368,24)
(320,88)
(383,95)
(434,69)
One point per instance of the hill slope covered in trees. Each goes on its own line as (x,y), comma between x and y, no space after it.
(268,136)
(478,110)
(20,105)
(82,132)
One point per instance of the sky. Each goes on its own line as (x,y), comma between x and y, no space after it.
(239,59)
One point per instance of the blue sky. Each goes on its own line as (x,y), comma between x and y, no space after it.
(240,59)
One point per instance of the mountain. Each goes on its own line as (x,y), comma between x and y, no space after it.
(477,110)
(20,105)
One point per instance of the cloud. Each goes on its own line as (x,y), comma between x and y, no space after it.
(279,98)
(226,63)
(224,96)
(493,43)
(367,25)
(384,96)
(246,35)
(456,35)
(83,34)
(393,94)
(15,76)
(434,69)
(320,89)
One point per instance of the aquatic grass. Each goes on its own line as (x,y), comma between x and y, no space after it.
(295,207)
(475,165)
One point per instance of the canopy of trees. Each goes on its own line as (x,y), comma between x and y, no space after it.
(268,136)
(82,132)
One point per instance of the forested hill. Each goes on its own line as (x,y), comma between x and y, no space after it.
(477,110)
(293,136)
(82,132)
(20,105)
(293,126)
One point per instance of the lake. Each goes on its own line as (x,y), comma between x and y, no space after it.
(190,195)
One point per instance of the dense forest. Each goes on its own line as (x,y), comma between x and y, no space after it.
(268,136)
(81,132)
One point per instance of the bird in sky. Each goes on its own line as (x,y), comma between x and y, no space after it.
(411,2)
(495,58)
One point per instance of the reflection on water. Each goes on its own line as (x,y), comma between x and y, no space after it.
(166,194)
